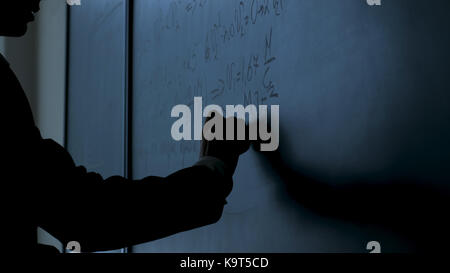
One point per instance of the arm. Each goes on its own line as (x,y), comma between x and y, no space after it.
(116,212)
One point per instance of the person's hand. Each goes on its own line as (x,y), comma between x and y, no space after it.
(226,150)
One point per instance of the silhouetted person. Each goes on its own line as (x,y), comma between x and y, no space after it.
(41,186)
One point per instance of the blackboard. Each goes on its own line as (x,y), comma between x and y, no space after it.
(363,93)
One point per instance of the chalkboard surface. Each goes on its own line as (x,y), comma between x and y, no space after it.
(363,94)
(96,89)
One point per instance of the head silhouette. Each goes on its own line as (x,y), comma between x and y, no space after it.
(15,15)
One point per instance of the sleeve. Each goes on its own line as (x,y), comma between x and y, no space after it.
(214,164)
(117,212)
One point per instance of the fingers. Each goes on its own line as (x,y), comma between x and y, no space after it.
(233,137)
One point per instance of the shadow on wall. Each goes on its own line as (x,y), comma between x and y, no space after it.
(416,211)
(409,194)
